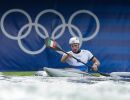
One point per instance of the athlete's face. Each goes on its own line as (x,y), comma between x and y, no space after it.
(75,47)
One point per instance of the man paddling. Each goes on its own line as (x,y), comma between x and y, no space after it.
(82,55)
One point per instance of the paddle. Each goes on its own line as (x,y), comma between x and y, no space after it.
(50,43)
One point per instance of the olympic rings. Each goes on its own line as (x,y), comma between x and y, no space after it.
(36,24)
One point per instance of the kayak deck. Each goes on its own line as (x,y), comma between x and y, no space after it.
(65,72)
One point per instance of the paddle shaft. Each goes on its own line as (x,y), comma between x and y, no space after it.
(75,58)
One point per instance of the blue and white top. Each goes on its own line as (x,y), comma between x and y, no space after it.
(83,55)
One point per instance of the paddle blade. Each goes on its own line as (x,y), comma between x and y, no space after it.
(50,43)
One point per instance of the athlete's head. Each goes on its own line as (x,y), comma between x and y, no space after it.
(74,43)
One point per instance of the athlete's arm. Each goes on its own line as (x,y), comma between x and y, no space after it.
(96,63)
(65,57)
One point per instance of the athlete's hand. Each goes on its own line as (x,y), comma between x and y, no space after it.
(95,67)
(69,55)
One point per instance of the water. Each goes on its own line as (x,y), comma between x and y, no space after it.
(47,88)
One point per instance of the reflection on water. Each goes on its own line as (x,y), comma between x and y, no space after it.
(46,88)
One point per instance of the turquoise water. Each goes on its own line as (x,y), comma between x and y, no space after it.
(47,88)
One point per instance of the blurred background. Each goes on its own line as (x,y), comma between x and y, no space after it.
(101,25)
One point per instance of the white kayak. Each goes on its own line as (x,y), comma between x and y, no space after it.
(64,72)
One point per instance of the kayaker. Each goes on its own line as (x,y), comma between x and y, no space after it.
(84,55)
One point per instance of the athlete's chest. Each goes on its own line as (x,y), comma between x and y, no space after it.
(81,56)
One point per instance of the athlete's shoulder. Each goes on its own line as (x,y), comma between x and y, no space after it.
(87,52)
(83,50)
(69,51)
